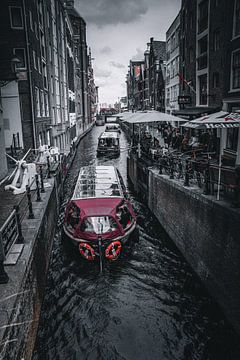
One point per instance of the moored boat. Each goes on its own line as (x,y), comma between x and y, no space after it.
(99,218)
(108,144)
(113,127)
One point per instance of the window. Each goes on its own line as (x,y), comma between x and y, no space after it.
(216,40)
(37,100)
(99,225)
(215,80)
(235,75)
(203,16)
(232,139)
(46,104)
(191,55)
(73,216)
(44,75)
(36,30)
(202,45)
(203,89)
(236,20)
(34,60)
(20,54)
(42,107)
(30,20)
(16,17)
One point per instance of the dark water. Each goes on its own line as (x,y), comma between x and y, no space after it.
(148,306)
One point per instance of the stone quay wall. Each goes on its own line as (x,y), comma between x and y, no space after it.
(205,230)
(21,298)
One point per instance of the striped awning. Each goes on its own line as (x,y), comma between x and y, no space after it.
(221,119)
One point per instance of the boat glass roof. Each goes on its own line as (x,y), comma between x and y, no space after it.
(97,181)
(109,135)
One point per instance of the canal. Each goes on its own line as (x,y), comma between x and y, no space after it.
(148,306)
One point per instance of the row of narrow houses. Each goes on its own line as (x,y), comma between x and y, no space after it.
(48,94)
(196,70)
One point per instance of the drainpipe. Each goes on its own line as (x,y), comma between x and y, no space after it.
(30,75)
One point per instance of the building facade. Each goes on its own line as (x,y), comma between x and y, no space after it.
(44,67)
(172,67)
(146,79)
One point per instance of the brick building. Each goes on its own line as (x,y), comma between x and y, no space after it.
(44,73)
(172,67)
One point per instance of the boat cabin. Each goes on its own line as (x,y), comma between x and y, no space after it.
(113,127)
(108,144)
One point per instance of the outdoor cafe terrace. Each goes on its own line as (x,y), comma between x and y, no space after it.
(194,153)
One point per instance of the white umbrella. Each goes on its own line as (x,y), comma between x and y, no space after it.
(141,117)
(219,120)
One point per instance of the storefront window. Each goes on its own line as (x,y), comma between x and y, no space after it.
(232,139)
(236,69)
(236,22)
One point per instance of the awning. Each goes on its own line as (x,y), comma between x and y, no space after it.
(221,119)
(193,112)
(150,117)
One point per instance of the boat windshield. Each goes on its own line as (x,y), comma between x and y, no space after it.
(99,224)
(108,142)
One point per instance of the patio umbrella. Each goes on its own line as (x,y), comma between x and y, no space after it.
(150,116)
(219,120)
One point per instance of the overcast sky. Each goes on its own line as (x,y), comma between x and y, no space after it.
(118,31)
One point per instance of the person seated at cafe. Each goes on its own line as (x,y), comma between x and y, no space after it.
(194,142)
(185,142)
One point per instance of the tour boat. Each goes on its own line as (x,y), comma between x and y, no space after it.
(100,121)
(113,127)
(108,144)
(99,218)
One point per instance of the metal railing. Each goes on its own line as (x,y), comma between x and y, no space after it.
(190,172)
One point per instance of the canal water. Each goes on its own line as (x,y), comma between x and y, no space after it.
(148,306)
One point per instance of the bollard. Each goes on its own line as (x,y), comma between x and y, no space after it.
(48,166)
(186,181)
(41,179)
(199,182)
(19,226)
(38,188)
(3,275)
(30,214)
(160,167)
(206,181)
(171,169)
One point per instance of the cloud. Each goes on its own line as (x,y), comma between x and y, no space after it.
(116,65)
(139,55)
(105,12)
(101,73)
(105,50)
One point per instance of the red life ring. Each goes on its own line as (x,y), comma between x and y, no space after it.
(113,250)
(87,251)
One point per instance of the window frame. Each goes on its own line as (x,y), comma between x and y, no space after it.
(25,59)
(11,18)
(234,36)
(232,89)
